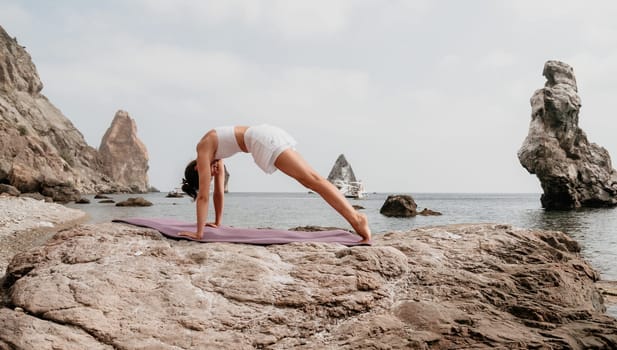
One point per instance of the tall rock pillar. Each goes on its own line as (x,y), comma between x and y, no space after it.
(124,156)
(572,171)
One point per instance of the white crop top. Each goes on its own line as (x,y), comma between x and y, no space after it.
(228,145)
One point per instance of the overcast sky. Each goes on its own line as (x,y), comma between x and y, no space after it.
(420,96)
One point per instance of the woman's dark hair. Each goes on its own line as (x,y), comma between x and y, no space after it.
(190,183)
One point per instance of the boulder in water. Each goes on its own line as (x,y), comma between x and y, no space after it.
(429,212)
(134,202)
(401,205)
(174,194)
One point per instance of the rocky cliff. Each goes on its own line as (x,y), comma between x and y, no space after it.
(572,171)
(40,149)
(112,286)
(124,156)
(341,172)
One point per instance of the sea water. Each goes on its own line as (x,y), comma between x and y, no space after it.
(594,229)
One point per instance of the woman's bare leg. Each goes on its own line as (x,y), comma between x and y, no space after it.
(291,163)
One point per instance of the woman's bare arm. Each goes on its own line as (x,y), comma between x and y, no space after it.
(204,159)
(203,197)
(219,192)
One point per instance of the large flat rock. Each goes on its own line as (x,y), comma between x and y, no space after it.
(112,286)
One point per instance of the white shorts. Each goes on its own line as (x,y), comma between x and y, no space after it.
(266,143)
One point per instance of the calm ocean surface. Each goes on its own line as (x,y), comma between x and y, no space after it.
(595,229)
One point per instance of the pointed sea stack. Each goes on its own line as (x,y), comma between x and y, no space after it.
(573,172)
(341,172)
(124,156)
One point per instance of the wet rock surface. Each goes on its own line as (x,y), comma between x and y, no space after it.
(134,202)
(573,172)
(9,190)
(429,212)
(37,196)
(113,286)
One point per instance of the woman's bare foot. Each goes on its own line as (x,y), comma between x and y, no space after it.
(362,228)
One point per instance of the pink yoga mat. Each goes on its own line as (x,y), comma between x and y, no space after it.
(171,228)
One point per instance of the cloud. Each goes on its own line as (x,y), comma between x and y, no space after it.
(497,59)
(436,93)
(596,76)
(288,19)
(450,61)
(186,91)
(206,11)
(591,23)
(14,17)
(596,68)
(298,19)
(567,10)
(544,9)
(140,69)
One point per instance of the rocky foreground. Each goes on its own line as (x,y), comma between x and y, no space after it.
(113,286)
(27,222)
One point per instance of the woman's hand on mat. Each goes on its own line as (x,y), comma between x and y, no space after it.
(193,235)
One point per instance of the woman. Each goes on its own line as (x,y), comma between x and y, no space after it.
(272,148)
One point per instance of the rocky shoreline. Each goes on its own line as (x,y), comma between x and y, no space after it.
(27,222)
(459,286)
